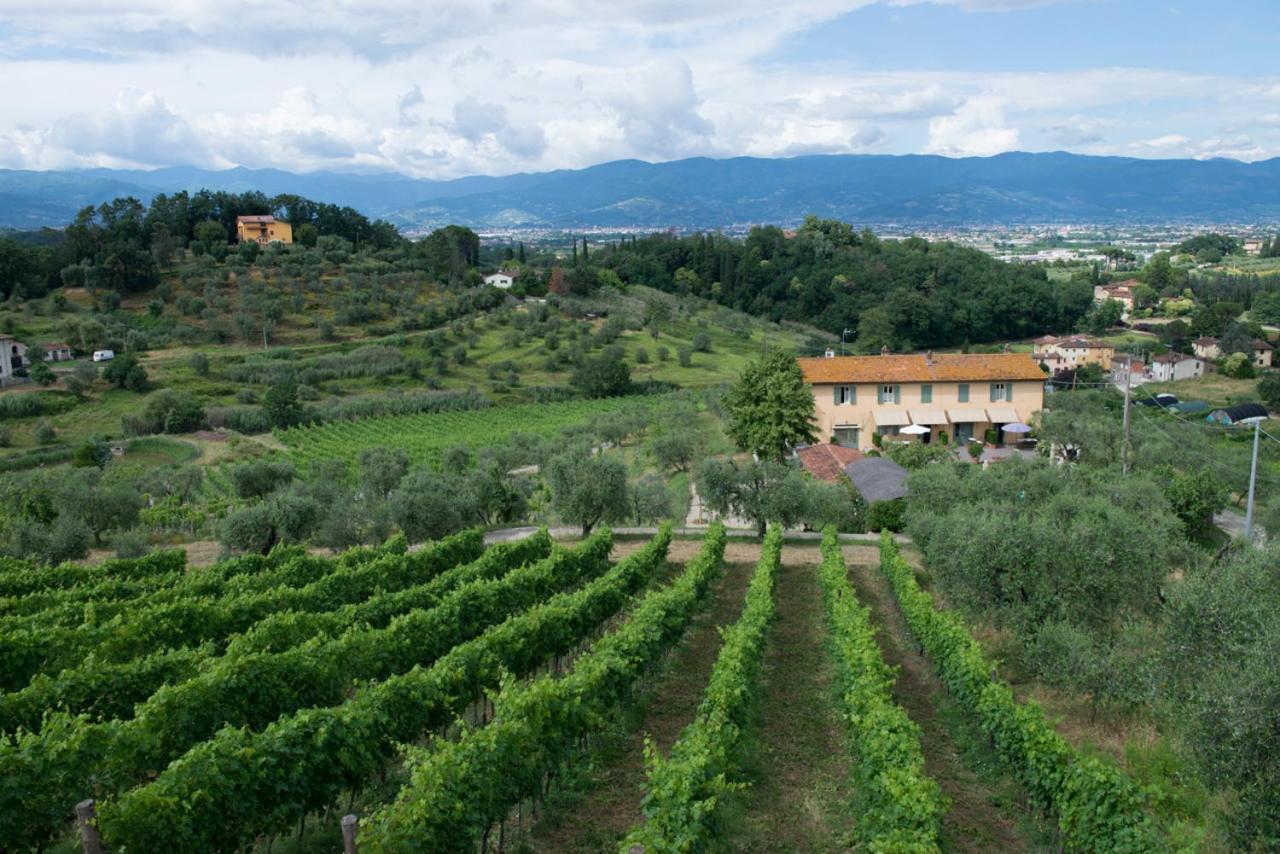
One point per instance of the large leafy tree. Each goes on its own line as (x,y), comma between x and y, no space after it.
(771,408)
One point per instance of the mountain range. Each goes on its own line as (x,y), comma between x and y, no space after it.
(699,192)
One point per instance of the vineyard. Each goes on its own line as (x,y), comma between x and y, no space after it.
(594,696)
(425,436)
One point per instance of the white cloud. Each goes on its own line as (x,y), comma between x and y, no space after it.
(976,128)
(658,111)
(1169,140)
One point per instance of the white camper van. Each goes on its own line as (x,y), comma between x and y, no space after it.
(103,355)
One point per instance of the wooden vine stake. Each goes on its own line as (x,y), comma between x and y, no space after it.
(350,824)
(86,818)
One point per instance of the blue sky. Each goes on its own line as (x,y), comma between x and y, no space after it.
(443,88)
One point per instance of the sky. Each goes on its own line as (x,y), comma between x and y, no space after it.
(445,88)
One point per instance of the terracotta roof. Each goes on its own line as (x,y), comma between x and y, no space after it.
(1205,341)
(1046,339)
(1259,344)
(55,345)
(263,218)
(1169,358)
(827,462)
(916,367)
(1083,342)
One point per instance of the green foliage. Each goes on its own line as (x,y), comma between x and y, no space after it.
(763,492)
(683,790)
(1238,366)
(458,789)
(899,806)
(917,455)
(171,411)
(588,488)
(257,478)
(1219,645)
(770,409)
(263,780)
(1269,390)
(886,515)
(42,374)
(606,375)
(281,403)
(199,364)
(1097,807)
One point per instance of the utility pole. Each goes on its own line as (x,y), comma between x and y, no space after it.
(1124,446)
(1253,482)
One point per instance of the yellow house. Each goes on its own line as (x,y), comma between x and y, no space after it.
(959,394)
(1074,351)
(263,229)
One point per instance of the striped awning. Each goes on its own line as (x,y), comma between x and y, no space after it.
(928,417)
(967,416)
(890,417)
(1002,414)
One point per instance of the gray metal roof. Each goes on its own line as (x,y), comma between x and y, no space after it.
(878,478)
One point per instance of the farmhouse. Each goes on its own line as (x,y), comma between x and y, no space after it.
(12,358)
(1072,352)
(1176,366)
(263,229)
(960,394)
(502,279)
(1207,347)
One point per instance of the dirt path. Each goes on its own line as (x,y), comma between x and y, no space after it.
(985,807)
(802,790)
(604,803)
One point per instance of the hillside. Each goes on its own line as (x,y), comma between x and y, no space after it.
(708,193)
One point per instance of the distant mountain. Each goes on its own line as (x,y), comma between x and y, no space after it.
(702,192)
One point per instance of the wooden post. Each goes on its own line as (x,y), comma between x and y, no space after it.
(350,824)
(86,819)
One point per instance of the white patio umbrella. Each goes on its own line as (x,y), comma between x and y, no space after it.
(1017,427)
(915,430)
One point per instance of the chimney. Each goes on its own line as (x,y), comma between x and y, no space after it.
(884,351)
(830,354)
(928,357)
(1008,348)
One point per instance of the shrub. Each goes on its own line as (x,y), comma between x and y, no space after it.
(702,343)
(173,411)
(45,434)
(199,364)
(685,356)
(886,515)
(131,544)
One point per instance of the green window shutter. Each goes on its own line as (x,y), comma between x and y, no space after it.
(1008,392)
(853,394)
(835,394)
(962,394)
(897,394)
(926,393)
(995,393)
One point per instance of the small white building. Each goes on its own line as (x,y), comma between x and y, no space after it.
(501,279)
(56,351)
(1176,366)
(12,358)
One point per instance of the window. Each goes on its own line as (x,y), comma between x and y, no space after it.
(1001,391)
(847,436)
(888,430)
(962,393)
(926,393)
(890,394)
(845,394)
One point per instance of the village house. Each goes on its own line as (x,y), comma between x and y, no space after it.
(502,279)
(959,394)
(1252,246)
(1176,366)
(1074,351)
(12,358)
(1207,347)
(1262,353)
(1122,292)
(264,230)
(56,351)
(1126,364)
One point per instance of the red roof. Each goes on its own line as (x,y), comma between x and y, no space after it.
(827,462)
(919,367)
(263,218)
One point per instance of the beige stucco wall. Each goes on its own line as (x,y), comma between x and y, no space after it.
(1028,398)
